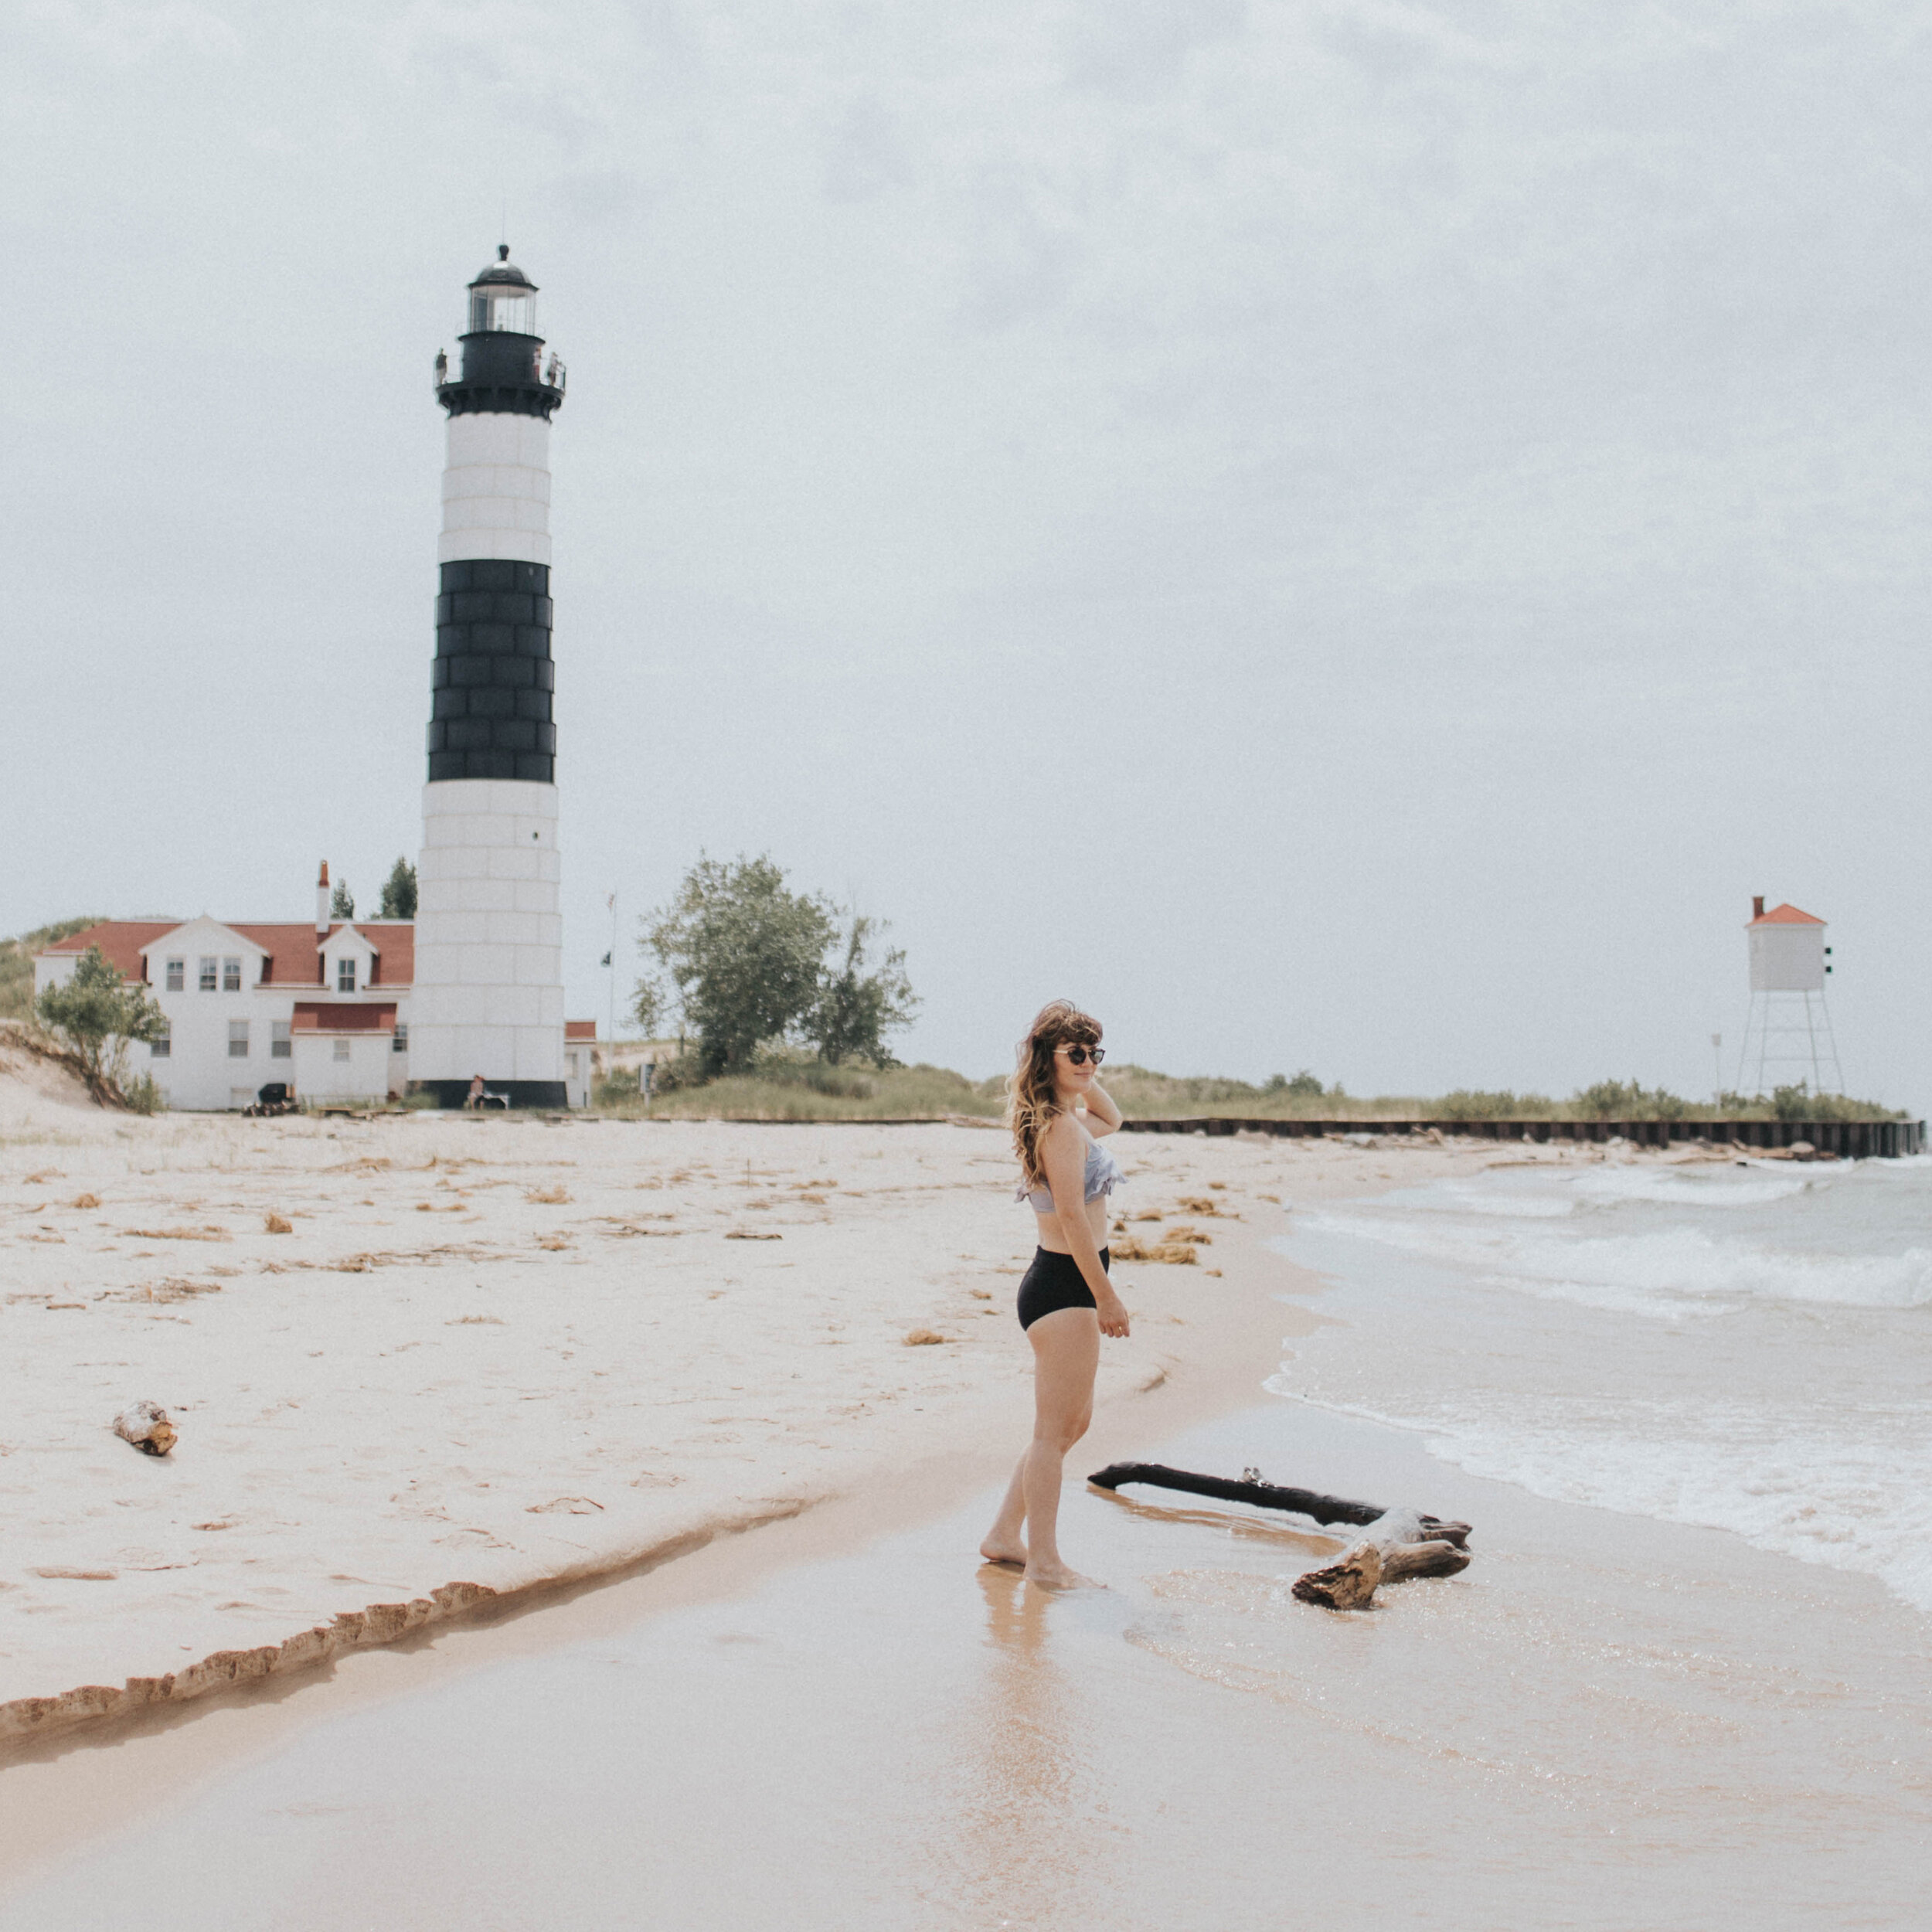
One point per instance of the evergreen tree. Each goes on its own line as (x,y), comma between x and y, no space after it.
(399,892)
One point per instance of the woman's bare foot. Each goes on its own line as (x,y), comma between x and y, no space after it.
(995,1551)
(1058,1576)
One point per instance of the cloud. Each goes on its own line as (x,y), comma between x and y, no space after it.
(128,35)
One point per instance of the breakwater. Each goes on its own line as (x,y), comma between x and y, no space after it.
(1849,1140)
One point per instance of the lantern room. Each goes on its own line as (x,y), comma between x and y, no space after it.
(503,371)
(502,299)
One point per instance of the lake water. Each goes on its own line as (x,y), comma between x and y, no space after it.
(1743,1346)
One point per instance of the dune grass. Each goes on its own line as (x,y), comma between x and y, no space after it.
(810,1092)
(789,1088)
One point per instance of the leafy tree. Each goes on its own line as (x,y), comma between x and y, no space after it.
(399,893)
(342,904)
(855,1009)
(94,1015)
(742,954)
(16,963)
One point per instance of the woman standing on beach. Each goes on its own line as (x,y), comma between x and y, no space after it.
(1057,1111)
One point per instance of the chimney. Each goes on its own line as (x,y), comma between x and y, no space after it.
(321,902)
(1757,904)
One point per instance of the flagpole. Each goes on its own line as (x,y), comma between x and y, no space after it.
(612,903)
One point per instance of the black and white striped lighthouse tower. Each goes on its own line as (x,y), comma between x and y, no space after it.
(489,992)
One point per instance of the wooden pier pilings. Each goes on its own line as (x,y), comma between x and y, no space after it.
(1849,1140)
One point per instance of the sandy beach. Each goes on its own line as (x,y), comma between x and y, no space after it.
(838,1720)
(492,1356)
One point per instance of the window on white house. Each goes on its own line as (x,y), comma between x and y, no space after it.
(279,1046)
(162,1046)
(208,966)
(401,1042)
(177,974)
(238,1040)
(231,975)
(345,976)
(341,1049)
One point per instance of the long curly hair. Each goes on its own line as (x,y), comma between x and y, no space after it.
(1030,1105)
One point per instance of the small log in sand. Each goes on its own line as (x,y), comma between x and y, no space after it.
(1396,1547)
(145,1424)
(1398,1544)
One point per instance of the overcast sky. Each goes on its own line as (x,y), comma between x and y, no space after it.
(1346,535)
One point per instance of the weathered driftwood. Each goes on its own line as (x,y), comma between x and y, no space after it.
(1396,1544)
(145,1424)
(1266,1496)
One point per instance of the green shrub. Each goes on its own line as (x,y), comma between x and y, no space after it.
(141,1096)
(1475,1104)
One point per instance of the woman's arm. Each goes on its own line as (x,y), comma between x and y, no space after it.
(1103,1117)
(1065,1163)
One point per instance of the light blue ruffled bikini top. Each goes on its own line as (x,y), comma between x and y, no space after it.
(1104,1174)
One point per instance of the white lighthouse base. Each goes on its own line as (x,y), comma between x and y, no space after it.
(489,991)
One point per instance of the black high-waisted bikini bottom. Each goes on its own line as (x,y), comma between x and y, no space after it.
(1054,1281)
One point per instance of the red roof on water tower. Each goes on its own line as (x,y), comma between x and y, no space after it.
(1783,916)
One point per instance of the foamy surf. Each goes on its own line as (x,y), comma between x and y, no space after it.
(1737,1349)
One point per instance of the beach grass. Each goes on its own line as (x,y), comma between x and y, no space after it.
(808,1091)
(789,1088)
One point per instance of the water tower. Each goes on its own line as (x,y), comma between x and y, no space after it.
(1787,1039)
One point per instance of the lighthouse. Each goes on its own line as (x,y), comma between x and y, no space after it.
(488,994)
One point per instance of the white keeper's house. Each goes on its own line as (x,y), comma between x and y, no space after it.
(324,1009)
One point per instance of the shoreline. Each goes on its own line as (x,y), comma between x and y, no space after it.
(865,1630)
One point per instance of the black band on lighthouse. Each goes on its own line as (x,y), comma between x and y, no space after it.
(492,679)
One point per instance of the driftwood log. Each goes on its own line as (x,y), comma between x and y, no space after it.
(1395,1544)
(145,1424)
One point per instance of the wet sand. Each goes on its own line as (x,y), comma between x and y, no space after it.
(1605,1722)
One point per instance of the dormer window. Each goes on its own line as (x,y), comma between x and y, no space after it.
(345,976)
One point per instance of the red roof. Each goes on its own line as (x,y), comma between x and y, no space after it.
(316,1016)
(295,952)
(120,940)
(580,1029)
(1784,916)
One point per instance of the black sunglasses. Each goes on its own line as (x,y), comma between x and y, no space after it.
(1080,1055)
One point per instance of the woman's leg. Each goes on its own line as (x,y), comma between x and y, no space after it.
(1006,1541)
(1067,1352)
